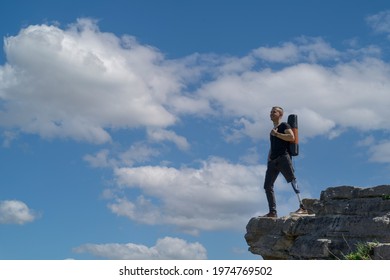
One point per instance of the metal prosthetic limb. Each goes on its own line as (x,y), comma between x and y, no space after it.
(296,190)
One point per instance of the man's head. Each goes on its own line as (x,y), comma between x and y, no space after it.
(276,113)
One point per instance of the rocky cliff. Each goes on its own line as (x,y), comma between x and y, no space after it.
(343,218)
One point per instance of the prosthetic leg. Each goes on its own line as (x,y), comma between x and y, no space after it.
(297,192)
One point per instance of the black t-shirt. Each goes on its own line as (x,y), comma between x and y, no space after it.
(279,147)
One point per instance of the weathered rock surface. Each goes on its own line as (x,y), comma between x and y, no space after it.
(344,217)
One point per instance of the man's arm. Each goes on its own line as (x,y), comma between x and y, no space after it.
(288,135)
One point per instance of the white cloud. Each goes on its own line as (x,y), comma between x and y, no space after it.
(367,141)
(100,159)
(286,53)
(166,248)
(218,195)
(305,49)
(137,153)
(78,82)
(346,95)
(8,137)
(159,135)
(380,152)
(380,22)
(15,212)
(311,123)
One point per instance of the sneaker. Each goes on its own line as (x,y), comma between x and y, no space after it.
(300,212)
(270,215)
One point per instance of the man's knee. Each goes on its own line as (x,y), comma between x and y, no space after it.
(268,188)
(290,179)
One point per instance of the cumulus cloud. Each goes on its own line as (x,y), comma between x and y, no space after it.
(166,248)
(217,195)
(346,95)
(15,212)
(79,81)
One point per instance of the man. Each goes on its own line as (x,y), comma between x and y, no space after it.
(279,161)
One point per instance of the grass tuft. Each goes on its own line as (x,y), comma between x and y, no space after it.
(364,251)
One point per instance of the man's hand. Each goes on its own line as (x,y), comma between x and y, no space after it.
(288,134)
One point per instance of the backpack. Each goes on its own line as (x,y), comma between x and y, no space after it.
(292,120)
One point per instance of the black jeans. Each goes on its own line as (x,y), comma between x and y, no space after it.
(283,165)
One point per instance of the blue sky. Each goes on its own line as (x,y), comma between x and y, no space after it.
(139,129)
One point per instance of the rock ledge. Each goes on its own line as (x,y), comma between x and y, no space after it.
(343,217)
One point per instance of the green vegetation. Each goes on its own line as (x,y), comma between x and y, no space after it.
(386,196)
(363,251)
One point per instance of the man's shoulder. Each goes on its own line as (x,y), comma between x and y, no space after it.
(284,126)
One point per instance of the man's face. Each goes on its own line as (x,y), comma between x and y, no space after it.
(275,114)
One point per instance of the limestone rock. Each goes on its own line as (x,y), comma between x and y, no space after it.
(343,217)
